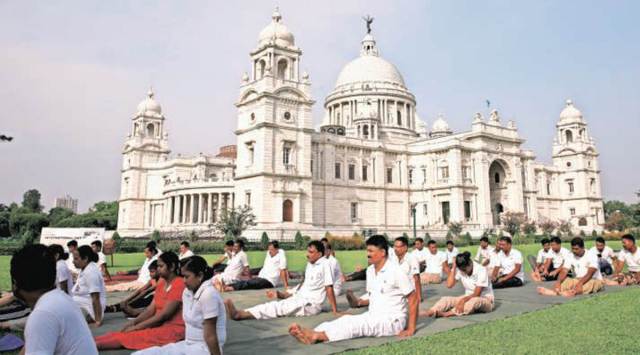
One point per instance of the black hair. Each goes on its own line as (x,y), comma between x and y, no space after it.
(418,240)
(33,268)
(85,252)
(152,244)
(450,242)
(240,242)
(185,243)
(97,243)
(72,243)
(171,260)
(152,249)
(379,241)
(463,259)
(600,240)
(317,245)
(403,240)
(327,246)
(545,241)
(58,249)
(153,265)
(484,239)
(577,241)
(325,240)
(197,265)
(556,240)
(229,243)
(274,243)
(431,242)
(506,239)
(629,237)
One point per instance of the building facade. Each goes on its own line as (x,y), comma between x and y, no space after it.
(67,202)
(372,164)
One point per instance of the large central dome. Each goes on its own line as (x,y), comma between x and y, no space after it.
(369,69)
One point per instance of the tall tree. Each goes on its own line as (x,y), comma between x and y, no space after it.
(31,200)
(233,221)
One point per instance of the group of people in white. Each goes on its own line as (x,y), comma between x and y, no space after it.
(177,305)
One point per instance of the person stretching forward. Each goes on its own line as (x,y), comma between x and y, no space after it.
(391,296)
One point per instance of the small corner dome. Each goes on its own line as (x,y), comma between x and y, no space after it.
(149,104)
(276,32)
(440,126)
(570,112)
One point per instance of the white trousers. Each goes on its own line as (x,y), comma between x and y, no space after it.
(184,347)
(85,303)
(292,306)
(361,325)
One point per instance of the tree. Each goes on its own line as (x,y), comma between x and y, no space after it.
(31,200)
(233,221)
(299,241)
(57,214)
(117,241)
(529,227)
(547,226)
(512,221)
(565,227)
(264,240)
(103,214)
(455,228)
(617,221)
(24,222)
(5,230)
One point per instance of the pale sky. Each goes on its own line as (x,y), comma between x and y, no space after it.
(72,73)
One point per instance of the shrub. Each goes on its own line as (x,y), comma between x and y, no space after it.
(155,236)
(354,242)
(427,237)
(299,241)
(264,240)
(455,228)
(594,234)
(529,227)
(547,226)
(512,221)
(464,240)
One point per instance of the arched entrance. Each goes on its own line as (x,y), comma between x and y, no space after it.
(287,211)
(497,188)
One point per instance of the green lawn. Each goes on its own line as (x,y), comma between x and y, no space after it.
(295,258)
(603,324)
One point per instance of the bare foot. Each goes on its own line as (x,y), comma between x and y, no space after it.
(353,300)
(546,292)
(427,313)
(299,333)
(232,313)
(228,289)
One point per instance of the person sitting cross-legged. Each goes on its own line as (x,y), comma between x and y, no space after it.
(336,270)
(586,270)
(605,256)
(305,300)
(451,252)
(185,250)
(478,293)
(436,265)
(272,274)
(485,252)
(221,264)
(151,254)
(420,253)
(393,304)
(89,291)
(629,255)
(556,257)
(237,266)
(140,299)
(537,262)
(407,262)
(507,267)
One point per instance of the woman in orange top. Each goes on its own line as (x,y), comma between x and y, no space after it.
(161,323)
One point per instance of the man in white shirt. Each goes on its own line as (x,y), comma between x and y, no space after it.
(436,264)
(483,255)
(555,260)
(219,265)
(605,256)
(185,250)
(587,277)
(507,270)
(407,263)
(336,270)
(451,252)
(238,265)
(537,262)
(305,300)
(55,325)
(420,253)
(392,301)
(630,255)
(144,275)
(96,245)
(272,274)
(72,246)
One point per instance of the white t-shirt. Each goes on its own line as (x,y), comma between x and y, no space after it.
(272,267)
(581,265)
(508,262)
(206,303)
(409,265)
(64,275)
(479,278)
(559,257)
(336,272)
(632,260)
(607,253)
(317,276)
(387,291)
(451,254)
(89,281)
(56,326)
(187,254)
(72,268)
(101,259)
(420,255)
(543,255)
(484,254)
(235,266)
(143,274)
(434,262)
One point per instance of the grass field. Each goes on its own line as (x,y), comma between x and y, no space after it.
(295,258)
(603,324)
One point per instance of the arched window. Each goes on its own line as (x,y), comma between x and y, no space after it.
(365,131)
(287,211)
(496,178)
(569,136)
(582,221)
(261,65)
(399,115)
(151,130)
(282,69)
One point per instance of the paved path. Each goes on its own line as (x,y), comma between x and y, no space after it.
(270,336)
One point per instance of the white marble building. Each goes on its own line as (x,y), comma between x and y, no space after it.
(370,164)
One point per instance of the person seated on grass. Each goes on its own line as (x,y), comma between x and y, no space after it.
(141,298)
(436,265)
(272,274)
(305,300)
(552,266)
(359,274)
(89,292)
(56,325)
(203,313)
(629,255)
(537,262)
(13,313)
(134,272)
(507,268)
(64,279)
(325,241)
(220,265)
(159,324)
(336,270)
(605,256)
(478,293)
(150,255)
(185,250)
(451,252)
(96,245)
(393,304)
(420,253)
(238,265)
(72,246)
(484,253)
(584,265)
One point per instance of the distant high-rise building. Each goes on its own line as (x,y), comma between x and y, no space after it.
(67,202)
